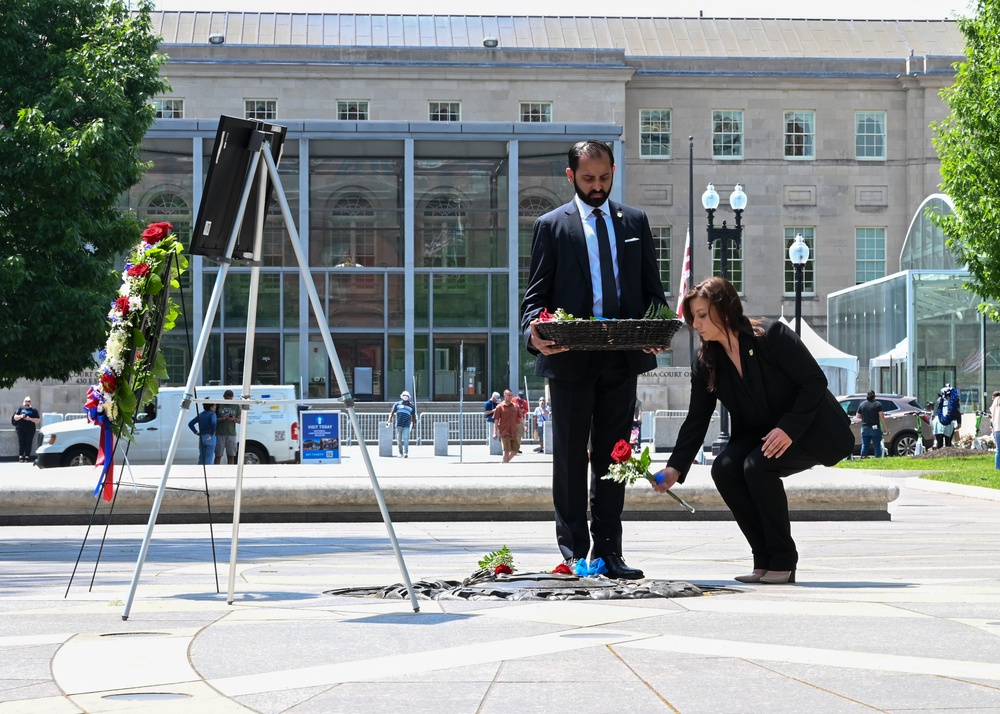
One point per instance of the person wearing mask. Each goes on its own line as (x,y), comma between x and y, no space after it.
(542,415)
(784,420)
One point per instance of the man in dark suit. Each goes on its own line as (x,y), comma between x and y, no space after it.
(591,257)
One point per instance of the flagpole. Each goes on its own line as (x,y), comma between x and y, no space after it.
(690,246)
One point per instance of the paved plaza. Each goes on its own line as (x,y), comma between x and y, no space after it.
(888,616)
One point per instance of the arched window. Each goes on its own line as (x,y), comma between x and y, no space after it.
(528,210)
(352,222)
(443,232)
(170,207)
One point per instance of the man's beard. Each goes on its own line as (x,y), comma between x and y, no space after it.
(595,199)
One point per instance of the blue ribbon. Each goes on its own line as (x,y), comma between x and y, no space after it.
(592,569)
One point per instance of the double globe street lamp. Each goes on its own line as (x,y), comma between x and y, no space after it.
(798,256)
(724,235)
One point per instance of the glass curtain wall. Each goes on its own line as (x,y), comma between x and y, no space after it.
(460,197)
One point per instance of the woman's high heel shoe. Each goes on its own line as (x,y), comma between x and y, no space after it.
(778,577)
(753,577)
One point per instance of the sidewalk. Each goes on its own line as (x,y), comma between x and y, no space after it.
(888,616)
(473,485)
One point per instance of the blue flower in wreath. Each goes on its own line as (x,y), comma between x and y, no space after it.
(947,408)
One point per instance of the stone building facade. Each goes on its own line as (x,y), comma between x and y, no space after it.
(418,157)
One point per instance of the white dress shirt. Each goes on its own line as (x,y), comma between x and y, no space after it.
(594,252)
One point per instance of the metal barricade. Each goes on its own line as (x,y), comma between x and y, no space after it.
(467,427)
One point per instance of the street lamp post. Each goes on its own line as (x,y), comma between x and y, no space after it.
(723,234)
(798,255)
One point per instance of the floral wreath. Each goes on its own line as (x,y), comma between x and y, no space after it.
(947,416)
(131,366)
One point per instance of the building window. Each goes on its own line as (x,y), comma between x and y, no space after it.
(352,109)
(537,112)
(168,108)
(727,134)
(444,111)
(654,133)
(444,232)
(352,223)
(800,135)
(260,109)
(869,135)
(808,273)
(734,262)
(869,254)
(661,244)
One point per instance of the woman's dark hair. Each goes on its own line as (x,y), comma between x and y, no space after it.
(871,395)
(726,311)
(592,149)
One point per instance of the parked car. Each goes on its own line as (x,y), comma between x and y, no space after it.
(903,416)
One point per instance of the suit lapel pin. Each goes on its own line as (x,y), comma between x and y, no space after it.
(751,353)
(619,214)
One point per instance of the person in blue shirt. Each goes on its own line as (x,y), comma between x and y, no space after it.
(405,413)
(490,406)
(206,422)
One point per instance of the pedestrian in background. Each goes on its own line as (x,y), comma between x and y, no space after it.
(405,413)
(228,416)
(873,431)
(207,422)
(542,415)
(25,421)
(995,427)
(507,425)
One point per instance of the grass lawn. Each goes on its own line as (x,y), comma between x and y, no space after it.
(969,470)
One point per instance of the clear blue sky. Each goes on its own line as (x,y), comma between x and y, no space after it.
(847,9)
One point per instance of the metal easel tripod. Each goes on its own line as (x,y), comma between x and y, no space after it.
(262,167)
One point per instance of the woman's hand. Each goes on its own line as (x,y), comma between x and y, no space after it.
(775,443)
(670,476)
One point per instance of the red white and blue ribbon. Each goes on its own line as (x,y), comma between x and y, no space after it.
(105,445)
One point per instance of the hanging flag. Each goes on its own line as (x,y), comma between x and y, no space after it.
(685,276)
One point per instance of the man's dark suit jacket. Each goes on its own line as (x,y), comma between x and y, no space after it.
(789,391)
(559,277)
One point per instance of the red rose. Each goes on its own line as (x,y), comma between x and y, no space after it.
(138,271)
(545,315)
(121,305)
(156,232)
(109,383)
(502,570)
(622,452)
(562,569)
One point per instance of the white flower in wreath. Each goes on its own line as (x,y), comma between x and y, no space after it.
(116,344)
(134,303)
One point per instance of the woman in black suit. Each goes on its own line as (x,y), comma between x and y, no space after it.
(784,420)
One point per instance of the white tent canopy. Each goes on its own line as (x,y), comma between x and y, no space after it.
(840,368)
(897,354)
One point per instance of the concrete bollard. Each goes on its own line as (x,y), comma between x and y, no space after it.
(547,428)
(441,438)
(384,439)
(496,449)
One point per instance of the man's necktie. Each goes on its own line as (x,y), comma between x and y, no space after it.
(609,290)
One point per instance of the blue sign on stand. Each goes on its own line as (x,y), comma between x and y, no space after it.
(320,437)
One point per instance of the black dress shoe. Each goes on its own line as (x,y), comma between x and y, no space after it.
(617,569)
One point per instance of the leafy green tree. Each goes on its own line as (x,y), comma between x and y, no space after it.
(74,90)
(968,144)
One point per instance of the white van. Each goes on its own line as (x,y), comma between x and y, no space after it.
(272,431)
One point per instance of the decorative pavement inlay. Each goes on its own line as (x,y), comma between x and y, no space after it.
(484,585)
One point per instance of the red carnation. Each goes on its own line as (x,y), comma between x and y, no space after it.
(138,271)
(545,315)
(622,452)
(109,383)
(502,570)
(156,232)
(562,569)
(121,305)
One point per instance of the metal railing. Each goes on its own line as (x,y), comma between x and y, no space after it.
(468,427)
